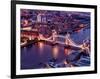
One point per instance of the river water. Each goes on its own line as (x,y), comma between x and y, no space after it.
(33,55)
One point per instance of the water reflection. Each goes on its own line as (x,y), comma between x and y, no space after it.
(24,49)
(33,55)
(41,46)
(55,51)
(67,51)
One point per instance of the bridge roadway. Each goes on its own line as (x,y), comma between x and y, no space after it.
(53,39)
(68,40)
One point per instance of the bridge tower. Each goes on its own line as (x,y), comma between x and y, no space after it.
(86,46)
(54,34)
(67,40)
(39,17)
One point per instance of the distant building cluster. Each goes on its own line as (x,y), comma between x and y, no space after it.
(61,21)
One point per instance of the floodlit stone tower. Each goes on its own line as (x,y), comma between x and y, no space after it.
(39,18)
(54,33)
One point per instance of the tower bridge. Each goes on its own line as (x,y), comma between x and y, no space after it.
(54,39)
(67,40)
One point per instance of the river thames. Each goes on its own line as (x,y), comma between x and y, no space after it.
(36,55)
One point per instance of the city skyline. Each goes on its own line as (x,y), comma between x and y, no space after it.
(57,38)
